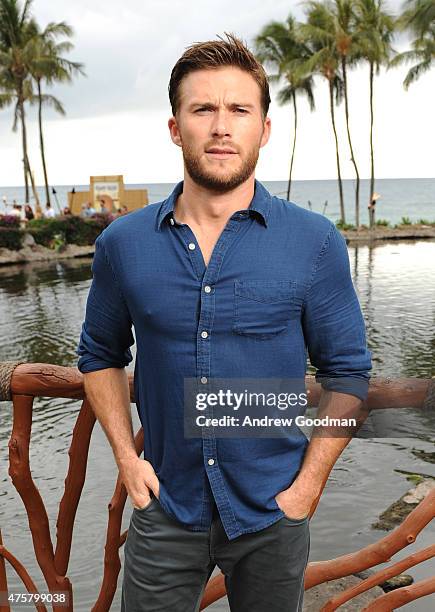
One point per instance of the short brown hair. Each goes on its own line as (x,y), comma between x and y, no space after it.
(215,54)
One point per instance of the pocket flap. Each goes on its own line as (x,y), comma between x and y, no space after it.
(268,291)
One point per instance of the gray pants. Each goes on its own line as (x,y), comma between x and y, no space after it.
(166,566)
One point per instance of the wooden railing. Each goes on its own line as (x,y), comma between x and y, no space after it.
(22,382)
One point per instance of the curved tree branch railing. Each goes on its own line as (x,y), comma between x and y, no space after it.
(22,382)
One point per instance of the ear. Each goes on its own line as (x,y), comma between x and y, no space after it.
(174,131)
(266,132)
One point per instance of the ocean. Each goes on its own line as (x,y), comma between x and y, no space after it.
(405,197)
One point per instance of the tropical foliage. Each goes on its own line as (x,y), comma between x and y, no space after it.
(30,58)
(335,37)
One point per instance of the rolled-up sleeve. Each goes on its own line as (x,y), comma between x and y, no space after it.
(106,335)
(333,323)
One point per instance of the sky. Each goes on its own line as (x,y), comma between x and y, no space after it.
(116,121)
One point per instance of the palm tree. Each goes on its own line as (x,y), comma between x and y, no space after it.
(375,28)
(17,29)
(419,18)
(48,65)
(349,53)
(278,45)
(319,34)
(419,15)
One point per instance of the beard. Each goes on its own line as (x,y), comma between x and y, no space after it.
(219,183)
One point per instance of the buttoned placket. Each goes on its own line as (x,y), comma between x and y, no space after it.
(207,278)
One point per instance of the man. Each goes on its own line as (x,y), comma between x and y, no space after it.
(87,210)
(15,212)
(103,208)
(49,211)
(372,209)
(220,280)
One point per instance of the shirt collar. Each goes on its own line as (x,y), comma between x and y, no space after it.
(260,203)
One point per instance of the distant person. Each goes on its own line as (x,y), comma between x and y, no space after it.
(67,211)
(21,210)
(15,212)
(49,211)
(103,209)
(372,209)
(28,212)
(5,202)
(87,210)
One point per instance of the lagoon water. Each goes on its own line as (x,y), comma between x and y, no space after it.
(413,198)
(41,311)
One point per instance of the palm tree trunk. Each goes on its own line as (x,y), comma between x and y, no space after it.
(24,145)
(26,157)
(337,154)
(41,143)
(295,110)
(372,162)
(352,156)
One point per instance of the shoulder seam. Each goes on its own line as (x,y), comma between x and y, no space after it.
(100,238)
(323,249)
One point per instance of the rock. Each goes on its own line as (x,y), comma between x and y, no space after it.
(397,582)
(37,252)
(399,510)
(28,240)
(406,232)
(388,585)
(424,455)
(415,495)
(316,597)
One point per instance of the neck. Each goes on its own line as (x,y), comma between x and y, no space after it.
(204,207)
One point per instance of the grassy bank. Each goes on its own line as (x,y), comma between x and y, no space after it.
(53,234)
(72,236)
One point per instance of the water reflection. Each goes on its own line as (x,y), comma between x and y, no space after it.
(42,307)
(396,286)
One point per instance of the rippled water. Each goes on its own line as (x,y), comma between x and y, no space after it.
(41,310)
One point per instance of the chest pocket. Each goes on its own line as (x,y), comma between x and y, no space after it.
(262,308)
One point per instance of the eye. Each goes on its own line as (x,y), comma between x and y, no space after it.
(203,109)
(241,110)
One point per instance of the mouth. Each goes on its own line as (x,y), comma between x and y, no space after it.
(221,152)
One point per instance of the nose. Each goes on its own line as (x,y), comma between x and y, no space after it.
(220,125)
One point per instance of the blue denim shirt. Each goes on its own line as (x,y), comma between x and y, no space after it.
(277,289)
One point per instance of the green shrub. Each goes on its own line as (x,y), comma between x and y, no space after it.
(383,222)
(69,228)
(11,238)
(425,222)
(405,221)
(344,226)
(41,230)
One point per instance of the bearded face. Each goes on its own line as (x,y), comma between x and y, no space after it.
(220,127)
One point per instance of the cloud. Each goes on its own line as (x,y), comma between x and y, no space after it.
(116,116)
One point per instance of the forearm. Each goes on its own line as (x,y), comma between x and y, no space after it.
(327,443)
(109,394)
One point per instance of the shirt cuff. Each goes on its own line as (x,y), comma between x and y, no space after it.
(92,364)
(346,384)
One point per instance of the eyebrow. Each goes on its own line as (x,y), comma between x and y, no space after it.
(211,105)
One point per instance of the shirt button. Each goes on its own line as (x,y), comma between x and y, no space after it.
(204,334)
(192,246)
(207,289)
(204,380)
(171,221)
(210,461)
